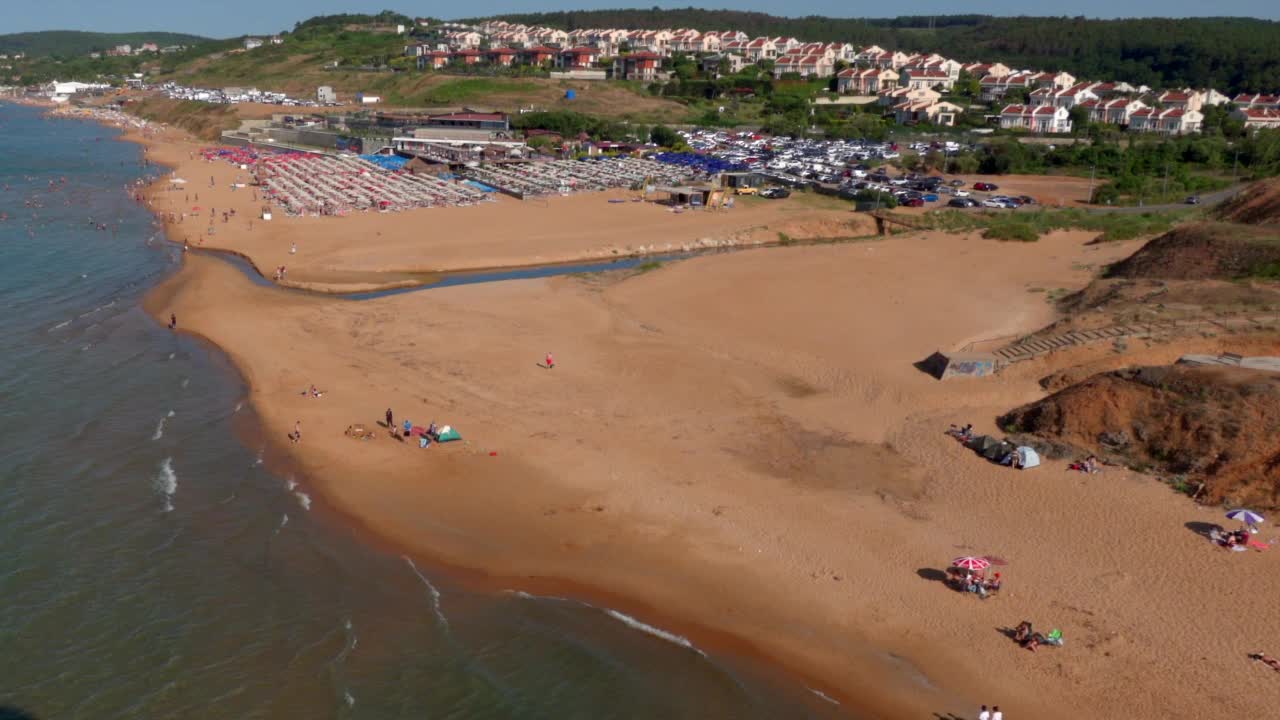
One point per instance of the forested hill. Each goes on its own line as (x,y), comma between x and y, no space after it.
(74,43)
(1231,54)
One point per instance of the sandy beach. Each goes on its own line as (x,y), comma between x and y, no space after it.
(735,447)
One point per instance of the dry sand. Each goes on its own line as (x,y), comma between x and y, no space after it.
(740,447)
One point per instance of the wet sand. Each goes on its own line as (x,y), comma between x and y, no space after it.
(740,446)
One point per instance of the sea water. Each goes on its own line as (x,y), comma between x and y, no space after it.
(152,567)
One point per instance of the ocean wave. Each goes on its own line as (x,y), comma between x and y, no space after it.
(824,696)
(656,632)
(435,594)
(185,383)
(348,698)
(530,596)
(303,499)
(60,325)
(159,433)
(166,483)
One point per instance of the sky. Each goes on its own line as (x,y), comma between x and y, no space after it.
(230,18)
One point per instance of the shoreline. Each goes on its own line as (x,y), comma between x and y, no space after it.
(854,662)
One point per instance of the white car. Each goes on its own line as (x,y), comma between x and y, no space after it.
(961,193)
(993,204)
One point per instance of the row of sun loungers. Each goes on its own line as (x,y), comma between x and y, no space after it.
(565,176)
(336,185)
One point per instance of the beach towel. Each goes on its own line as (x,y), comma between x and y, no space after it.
(448,434)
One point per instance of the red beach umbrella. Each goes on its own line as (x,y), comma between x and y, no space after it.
(971,563)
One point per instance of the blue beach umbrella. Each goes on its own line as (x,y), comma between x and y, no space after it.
(1248,517)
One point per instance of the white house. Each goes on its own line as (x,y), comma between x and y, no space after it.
(1043,119)
(252,43)
(806,65)
(1258,118)
(925,77)
(1166,121)
(866,81)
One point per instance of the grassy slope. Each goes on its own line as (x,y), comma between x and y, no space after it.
(298,68)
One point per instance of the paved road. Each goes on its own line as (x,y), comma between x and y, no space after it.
(1206,200)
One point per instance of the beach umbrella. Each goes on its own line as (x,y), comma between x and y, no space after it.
(971,563)
(1248,517)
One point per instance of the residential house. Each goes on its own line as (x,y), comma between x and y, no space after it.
(686,40)
(1213,97)
(813,49)
(737,47)
(148,47)
(510,38)
(433,60)
(1166,121)
(656,41)
(867,81)
(786,44)
(867,55)
(897,96)
(502,56)
(1066,97)
(806,65)
(1258,118)
(1113,111)
(761,49)
(251,43)
(126,50)
(1042,119)
(711,63)
(923,77)
(933,113)
(539,55)
(886,59)
(549,36)
(418,49)
(325,95)
(1257,101)
(995,87)
(843,52)
(644,66)
(579,58)
(987,70)
(466,56)
(1181,99)
(1053,81)
(950,67)
(277,40)
(463,39)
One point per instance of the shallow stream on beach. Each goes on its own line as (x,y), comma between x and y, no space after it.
(152,567)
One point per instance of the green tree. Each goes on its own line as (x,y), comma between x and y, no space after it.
(664,136)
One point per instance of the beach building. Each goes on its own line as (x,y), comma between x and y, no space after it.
(325,95)
(252,43)
(489,122)
(1258,118)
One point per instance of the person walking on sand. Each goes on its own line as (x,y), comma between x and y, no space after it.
(551,362)
(996,714)
(173,321)
(297,431)
(984,713)
(293,249)
(390,419)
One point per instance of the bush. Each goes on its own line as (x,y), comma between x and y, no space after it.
(1018,232)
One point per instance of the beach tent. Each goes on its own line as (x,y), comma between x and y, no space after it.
(990,448)
(1027,457)
(447,433)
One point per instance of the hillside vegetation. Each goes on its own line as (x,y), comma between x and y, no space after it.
(71,43)
(1231,54)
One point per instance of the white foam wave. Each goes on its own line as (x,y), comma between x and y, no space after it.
(435,594)
(171,355)
(185,383)
(238,406)
(348,699)
(824,696)
(656,632)
(86,347)
(166,483)
(303,499)
(159,433)
(530,596)
(60,325)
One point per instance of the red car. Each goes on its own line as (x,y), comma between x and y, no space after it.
(913,202)
(985,186)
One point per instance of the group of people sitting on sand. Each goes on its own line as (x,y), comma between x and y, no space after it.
(1231,538)
(963,434)
(1089,465)
(1028,638)
(313,392)
(970,582)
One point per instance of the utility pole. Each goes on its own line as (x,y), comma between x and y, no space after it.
(1092,169)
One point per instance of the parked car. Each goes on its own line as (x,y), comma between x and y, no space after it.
(985,186)
(775,193)
(748,190)
(913,202)
(957,182)
(961,193)
(930,197)
(961,203)
(1027,200)
(993,203)
(1193,200)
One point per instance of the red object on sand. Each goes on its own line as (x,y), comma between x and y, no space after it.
(971,563)
(493,453)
